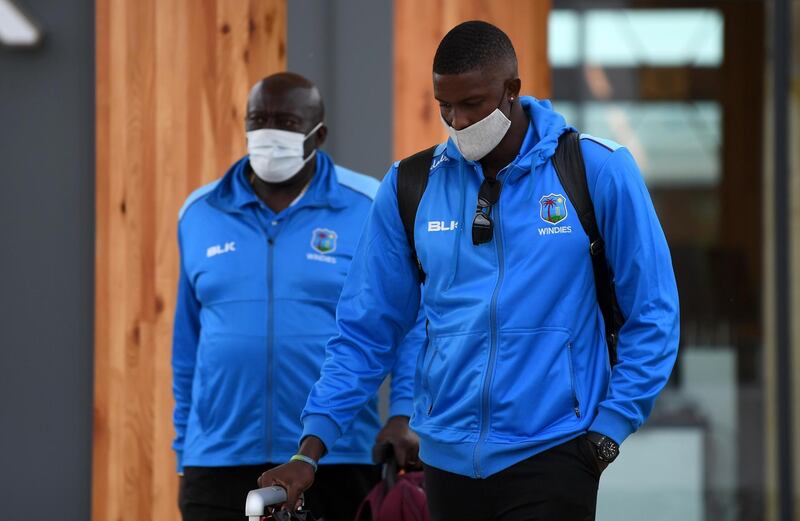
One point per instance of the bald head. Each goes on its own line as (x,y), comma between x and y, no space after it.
(285,101)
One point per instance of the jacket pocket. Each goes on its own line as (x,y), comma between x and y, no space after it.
(426,386)
(450,376)
(534,384)
(230,369)
(576,400)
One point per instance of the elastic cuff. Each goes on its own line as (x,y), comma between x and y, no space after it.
(323,428)
(403,407)
(612,424)
(179,462)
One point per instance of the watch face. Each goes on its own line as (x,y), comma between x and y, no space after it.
(607,450)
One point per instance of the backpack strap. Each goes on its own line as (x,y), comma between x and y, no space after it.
(568,162)
(412,179)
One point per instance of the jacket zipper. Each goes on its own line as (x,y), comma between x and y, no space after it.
(270,341)
(576,404)
(488,378)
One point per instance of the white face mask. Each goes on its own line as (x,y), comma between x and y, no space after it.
(480,138)
(277,155)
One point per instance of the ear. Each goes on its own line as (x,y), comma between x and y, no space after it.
(512,89)
(321,136)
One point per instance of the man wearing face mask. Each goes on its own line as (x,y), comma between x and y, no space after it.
(516,403)
(264,254)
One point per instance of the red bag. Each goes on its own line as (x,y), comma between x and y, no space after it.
(400,496)
(404,500)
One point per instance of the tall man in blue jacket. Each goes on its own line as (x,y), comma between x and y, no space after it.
(264,254)
(516,406)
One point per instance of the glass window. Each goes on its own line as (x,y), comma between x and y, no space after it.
(657,81)
(674,143)
(631,37)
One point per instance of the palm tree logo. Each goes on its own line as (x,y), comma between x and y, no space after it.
(323,240)
(553,208)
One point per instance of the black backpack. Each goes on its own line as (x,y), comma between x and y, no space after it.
(412,179)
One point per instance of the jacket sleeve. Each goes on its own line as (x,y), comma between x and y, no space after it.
(639,257)
(401,399)
(378,306)
(186,332)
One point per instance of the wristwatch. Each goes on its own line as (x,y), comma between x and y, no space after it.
(606,449)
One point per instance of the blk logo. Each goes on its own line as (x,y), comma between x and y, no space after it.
(442,226)
(217,249)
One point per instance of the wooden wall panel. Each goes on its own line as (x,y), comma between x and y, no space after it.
(172,81)
(421,24)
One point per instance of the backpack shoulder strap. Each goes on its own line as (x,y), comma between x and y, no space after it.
(568,160)
(571,170)
(412,179)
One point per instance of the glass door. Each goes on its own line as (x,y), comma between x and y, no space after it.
(680,85)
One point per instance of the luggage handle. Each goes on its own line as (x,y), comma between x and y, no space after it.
(259,500)
(384,454)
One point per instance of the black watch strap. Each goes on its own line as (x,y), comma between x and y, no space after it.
(606,449)
(595,437)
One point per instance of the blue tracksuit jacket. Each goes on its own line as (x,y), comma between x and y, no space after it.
(256,305)
(516,360)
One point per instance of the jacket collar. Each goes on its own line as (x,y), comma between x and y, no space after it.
(234,192)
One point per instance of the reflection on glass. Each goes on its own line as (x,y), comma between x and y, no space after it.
(657,81)
(674,143)
(628,37)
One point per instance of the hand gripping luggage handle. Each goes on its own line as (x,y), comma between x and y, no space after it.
(385,456)
(258,500)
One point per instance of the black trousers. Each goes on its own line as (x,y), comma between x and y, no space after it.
(218,493)
(559,484)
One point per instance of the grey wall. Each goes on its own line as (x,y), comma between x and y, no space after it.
(345,47)
(46,268)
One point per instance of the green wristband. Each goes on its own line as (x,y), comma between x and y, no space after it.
(305,459)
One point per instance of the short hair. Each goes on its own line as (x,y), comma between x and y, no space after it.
(473,45)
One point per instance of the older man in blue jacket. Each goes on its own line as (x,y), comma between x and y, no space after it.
(264,254)
(516,405)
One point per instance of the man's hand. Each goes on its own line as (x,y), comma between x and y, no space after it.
(404,441)
(296,476)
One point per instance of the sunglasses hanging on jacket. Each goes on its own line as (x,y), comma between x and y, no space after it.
(482,224)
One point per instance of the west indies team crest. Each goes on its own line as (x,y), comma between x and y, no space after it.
(553,208)
(323,240)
